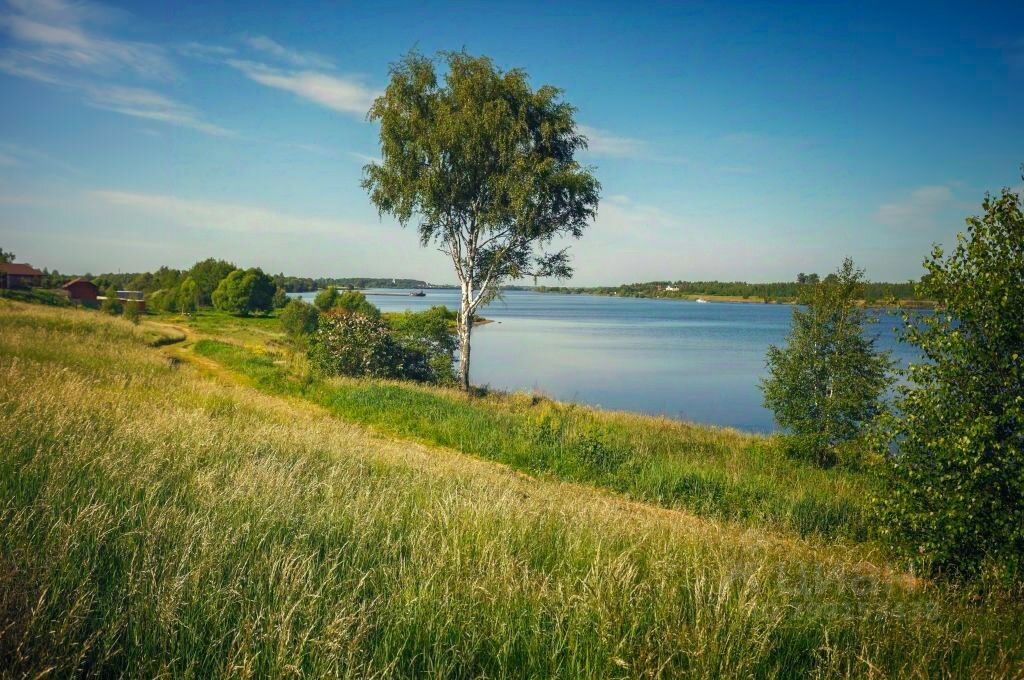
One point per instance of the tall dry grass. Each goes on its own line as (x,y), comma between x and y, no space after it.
(160,523)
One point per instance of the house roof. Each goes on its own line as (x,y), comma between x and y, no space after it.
(78,280)
(18,269)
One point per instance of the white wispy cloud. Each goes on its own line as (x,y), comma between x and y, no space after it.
(150,105)
(62,44)
(54,34)
(622,213)
(338,93)
(198,50)
(604,143)
(21,155)
(219,216)
(287,55)
(918,209)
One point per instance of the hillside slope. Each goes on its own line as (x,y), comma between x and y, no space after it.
(162,519)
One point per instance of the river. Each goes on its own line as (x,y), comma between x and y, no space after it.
(686,360)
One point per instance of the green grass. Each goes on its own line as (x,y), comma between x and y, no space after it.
(214,323)
(716,473)
(157,522)
(40,296)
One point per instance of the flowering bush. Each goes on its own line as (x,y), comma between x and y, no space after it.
(355,345)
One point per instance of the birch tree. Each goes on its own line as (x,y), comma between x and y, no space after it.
(485,166)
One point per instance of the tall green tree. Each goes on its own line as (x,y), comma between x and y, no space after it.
(828,381)
(243,292)
(955,499)
(280,298)
(208,274)
(6,256)
(486,167)
(188,296)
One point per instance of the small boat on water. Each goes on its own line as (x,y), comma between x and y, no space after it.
(418,293)
(701,301)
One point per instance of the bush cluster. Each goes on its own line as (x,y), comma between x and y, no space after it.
(359,345)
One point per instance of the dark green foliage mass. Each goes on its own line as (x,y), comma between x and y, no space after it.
(207,275)
(244,292)
(955,500)
(299,319)
(326,298)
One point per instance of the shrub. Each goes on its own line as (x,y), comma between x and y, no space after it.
(430,334)
(955,482)
(355,345)
(326,298)
(827,383)
(355,302)
(132,311)
(111,304)
(299,319)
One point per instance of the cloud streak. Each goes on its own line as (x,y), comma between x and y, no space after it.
(261,43)
(219,216)
(602,143)
(58,44)
(150,105)
(918,210)
(57,35)
(342,94)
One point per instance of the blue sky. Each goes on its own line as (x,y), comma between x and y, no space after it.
(733,140)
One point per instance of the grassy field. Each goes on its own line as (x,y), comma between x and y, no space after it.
(713,472)
(166,513)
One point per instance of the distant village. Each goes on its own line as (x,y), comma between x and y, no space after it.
(22,276)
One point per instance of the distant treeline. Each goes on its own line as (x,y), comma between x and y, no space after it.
(295,284)
(782,291)
(208,273)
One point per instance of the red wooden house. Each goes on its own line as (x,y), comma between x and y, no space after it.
(82,291)
(15,275)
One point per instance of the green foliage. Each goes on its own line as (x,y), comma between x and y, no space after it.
(280,298)
(407,346)
(188,296)
(299,319)
(827,383)
(132,311)
(355,302)
(111,305)
(243,292)
(355,345)
(430,334)
(326,299)
(486,164)
(207,275)
(6,256)
(955,503)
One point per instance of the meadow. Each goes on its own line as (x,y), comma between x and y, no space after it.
(183,500)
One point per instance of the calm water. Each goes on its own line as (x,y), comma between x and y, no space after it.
(696,362)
